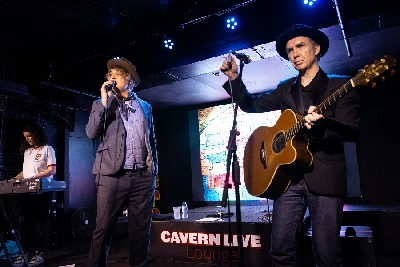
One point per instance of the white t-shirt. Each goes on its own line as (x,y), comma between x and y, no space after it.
(36,160)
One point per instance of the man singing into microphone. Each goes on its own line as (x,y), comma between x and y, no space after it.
(125,165)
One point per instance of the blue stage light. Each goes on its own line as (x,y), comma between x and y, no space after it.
(309,2)
(168,43)
(231,23)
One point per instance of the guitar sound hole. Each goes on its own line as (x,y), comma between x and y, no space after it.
(279,143)
(262,155)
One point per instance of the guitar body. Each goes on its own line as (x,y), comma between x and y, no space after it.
(265,166)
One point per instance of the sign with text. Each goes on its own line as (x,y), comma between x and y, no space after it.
(213,243)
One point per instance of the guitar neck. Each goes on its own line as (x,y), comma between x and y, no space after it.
(334,97)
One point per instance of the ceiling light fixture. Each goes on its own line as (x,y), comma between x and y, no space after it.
(309,2)
(168,43)
(231,23)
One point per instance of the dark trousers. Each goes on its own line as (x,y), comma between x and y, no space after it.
(33,221)
(112,193)
(287,221)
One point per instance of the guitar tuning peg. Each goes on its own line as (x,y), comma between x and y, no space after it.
(383,78)
(373,85)
(393,72)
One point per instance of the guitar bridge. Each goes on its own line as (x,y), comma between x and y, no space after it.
(263,156)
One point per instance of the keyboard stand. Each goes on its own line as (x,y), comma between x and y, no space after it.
(3,209)
(3,245)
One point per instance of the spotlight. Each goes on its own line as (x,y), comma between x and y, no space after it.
(168,43)
(309,2)
(231,23)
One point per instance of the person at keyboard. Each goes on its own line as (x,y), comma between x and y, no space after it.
(39,163)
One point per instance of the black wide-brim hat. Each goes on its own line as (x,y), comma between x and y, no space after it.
(301,30)
(125,64)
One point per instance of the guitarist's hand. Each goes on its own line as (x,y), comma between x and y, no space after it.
(229,67)
(312,117)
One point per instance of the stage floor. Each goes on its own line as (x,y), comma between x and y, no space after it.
(248,213)
(383,219)
(354,214)
(170,238)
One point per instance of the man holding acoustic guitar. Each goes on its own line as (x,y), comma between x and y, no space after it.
(300,162)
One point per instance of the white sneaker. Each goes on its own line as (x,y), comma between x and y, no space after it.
(36,259)
(19,262)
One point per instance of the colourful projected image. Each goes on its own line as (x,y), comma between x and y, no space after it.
(215,124)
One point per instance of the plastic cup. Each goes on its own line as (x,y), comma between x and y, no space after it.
(177,212)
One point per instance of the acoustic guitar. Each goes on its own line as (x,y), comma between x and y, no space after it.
(269,151)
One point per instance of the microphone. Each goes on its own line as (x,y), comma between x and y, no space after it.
(109,87)
(229,60)
(241,56)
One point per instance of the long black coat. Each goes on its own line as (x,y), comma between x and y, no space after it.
(327,175)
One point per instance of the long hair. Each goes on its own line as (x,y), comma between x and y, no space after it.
(38,136)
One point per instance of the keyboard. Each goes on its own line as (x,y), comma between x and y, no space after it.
(36,186)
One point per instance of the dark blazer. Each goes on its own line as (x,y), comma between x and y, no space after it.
(111,151)
(327,175)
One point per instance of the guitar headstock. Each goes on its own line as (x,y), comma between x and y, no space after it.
(372,71)
(393,72)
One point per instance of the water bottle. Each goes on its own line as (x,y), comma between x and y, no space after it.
(184,210)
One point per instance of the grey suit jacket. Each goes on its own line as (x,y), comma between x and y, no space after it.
(111,151)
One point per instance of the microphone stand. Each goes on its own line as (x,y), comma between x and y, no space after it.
(232,148)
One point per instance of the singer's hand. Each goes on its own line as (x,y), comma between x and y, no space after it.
(230,68)
(103,92)
(312,117)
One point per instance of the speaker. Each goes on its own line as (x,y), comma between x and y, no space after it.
(357,247)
